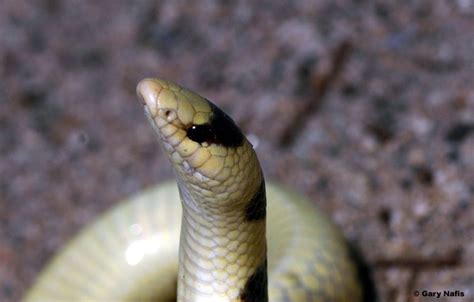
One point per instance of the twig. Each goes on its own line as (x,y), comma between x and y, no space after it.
(320,85)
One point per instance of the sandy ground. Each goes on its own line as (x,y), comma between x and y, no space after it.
(367,107)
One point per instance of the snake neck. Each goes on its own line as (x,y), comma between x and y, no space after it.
(221,258)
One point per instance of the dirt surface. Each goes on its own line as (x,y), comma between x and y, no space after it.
(365,106)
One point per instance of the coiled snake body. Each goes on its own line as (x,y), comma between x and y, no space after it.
(236,234)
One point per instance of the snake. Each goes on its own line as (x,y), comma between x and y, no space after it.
(216,233)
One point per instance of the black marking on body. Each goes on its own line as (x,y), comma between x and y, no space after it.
(255,289)
(220,130)
(256,208)
(364,274)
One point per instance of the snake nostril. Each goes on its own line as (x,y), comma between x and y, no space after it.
(169,114)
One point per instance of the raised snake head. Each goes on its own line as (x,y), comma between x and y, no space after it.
(205,146)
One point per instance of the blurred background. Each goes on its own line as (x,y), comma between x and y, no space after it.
(365,106)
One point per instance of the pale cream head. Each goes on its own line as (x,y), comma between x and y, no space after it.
(205,146)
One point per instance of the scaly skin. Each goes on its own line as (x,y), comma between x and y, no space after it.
(131,253)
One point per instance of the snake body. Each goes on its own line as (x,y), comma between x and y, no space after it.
(218,233)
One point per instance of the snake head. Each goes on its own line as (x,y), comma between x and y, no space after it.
(205,146)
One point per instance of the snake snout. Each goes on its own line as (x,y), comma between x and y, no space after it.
(148,91)
(158,97)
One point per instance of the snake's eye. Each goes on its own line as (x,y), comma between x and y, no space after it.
(220,130)
(201,133)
